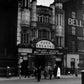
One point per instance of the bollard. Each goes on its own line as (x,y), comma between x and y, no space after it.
(82,76)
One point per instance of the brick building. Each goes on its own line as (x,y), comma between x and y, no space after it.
(74,26)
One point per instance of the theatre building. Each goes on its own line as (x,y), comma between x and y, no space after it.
(40,34)
(36,35)
(51,35)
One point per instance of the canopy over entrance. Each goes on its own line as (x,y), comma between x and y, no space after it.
(45,44)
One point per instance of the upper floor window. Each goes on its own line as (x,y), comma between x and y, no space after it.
(43,19)
(73,46)
(44,34)
(24,38)
(83,31)
(83,16)
(73,15)
(73,30)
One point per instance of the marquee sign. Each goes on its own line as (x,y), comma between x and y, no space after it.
(45,44)
(45,52)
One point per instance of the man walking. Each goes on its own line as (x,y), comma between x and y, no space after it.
(39,73)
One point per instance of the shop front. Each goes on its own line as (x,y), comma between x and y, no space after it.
(24,58)
(47,54)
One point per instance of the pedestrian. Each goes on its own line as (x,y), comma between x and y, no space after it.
(28,71)
(55,71)
(45,72)
(39,73)
(76,72)
(58,72)
(50,72)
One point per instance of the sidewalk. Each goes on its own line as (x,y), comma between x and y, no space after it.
(71,76)
(23,78)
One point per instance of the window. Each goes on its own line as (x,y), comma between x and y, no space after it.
(73,15)
(24,38)
(73,46)
(82,2)
(73,30)
(83,31)
(43,34)
(39,18)
(83,16)
(43,19)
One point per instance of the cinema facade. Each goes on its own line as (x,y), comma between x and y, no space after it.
(40,35)
(46,36)
(51,35)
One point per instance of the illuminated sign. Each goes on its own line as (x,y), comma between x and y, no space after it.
(45,44)
(75,22)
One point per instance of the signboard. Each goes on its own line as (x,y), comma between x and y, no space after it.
(45,44)
(75,22)
(45,52)
(58,59)
(48,52)
(25,50)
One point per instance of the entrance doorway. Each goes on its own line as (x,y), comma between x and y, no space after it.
(72,65)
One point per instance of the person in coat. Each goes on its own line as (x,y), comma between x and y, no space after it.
(58,72)
(38,74)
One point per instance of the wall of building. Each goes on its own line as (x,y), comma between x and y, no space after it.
(8,29)
(74,38)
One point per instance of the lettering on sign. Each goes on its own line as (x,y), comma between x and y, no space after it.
(45,44)
(75,22)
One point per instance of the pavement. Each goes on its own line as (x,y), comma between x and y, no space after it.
(23,78)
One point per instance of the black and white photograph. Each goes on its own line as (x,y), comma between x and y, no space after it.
(41,41)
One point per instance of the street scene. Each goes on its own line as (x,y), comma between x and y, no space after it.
(69,79)
(41,41)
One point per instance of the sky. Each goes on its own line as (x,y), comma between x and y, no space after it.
(44,2)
